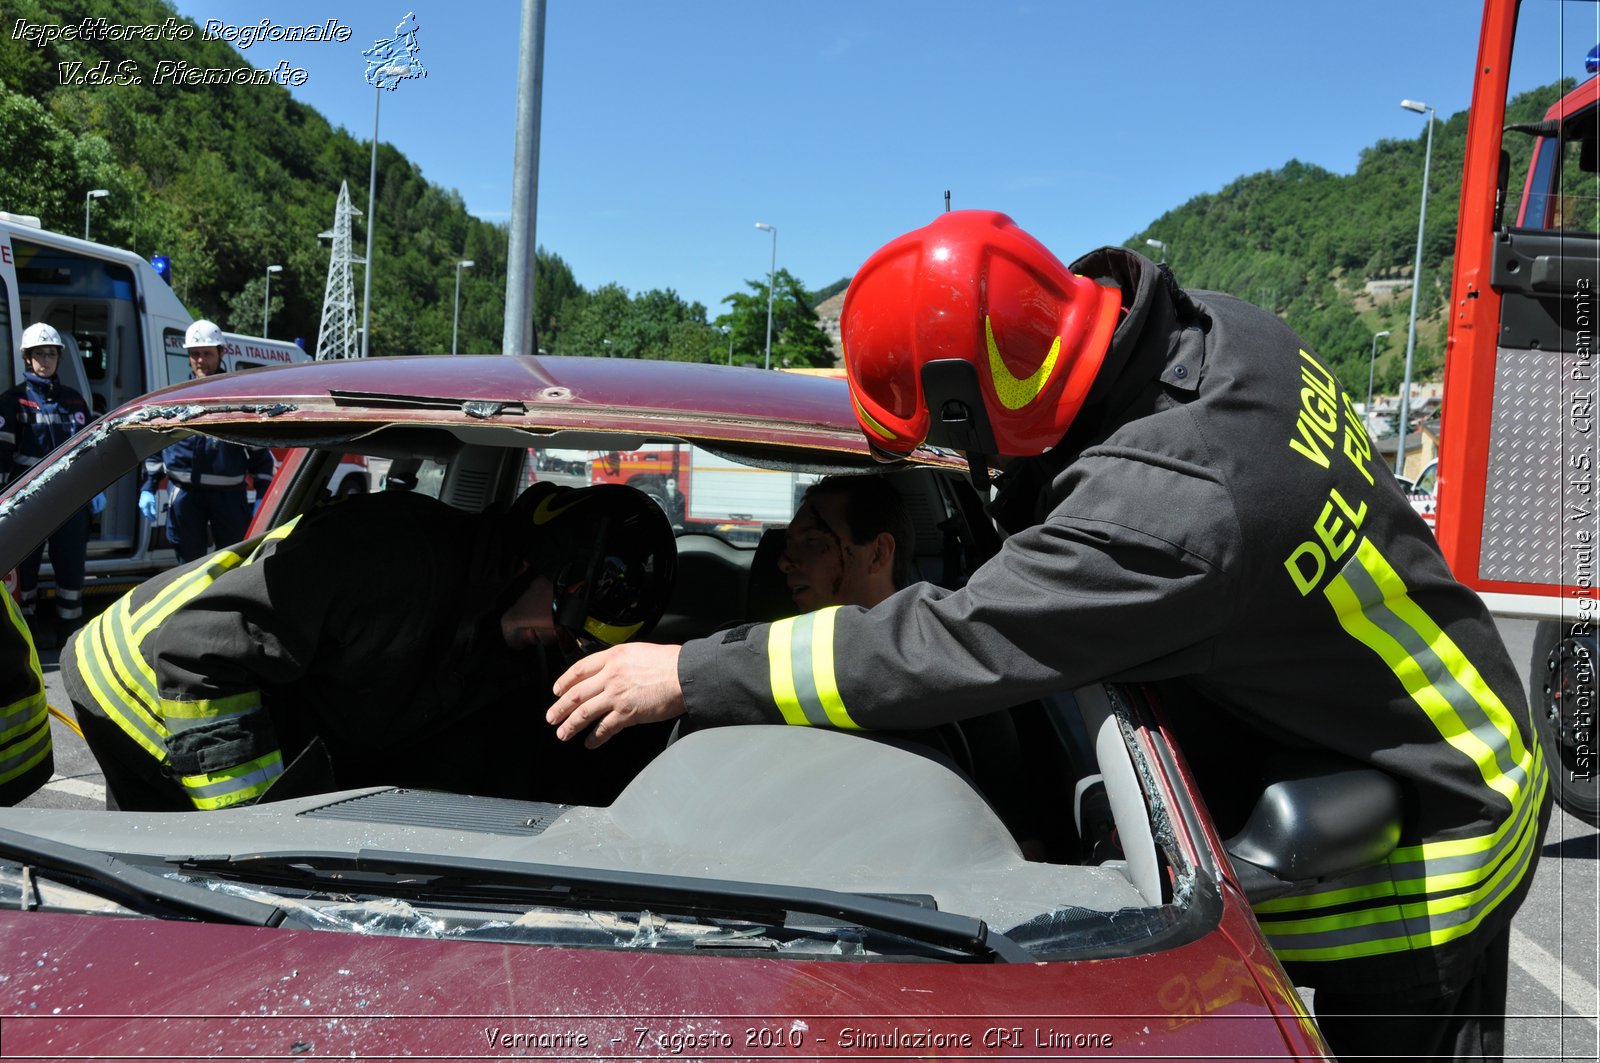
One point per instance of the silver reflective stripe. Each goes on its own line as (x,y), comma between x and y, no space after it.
(176,724)
(805,676)
(1375,608)
(69,604)
(1423,871)
(206,791)
(17,714)
(96,659)
(1406,921)
(37,743)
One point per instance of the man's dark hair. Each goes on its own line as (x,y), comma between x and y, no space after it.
(872,506)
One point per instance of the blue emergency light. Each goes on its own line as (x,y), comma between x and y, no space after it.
(163,267)
(1591,62)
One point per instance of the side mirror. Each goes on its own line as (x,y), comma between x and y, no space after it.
(1313,828)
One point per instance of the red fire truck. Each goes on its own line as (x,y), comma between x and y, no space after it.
(702,491)
(1517,507)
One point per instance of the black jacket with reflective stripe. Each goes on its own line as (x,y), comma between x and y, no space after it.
(374,624)
(27,757)
(1216,518)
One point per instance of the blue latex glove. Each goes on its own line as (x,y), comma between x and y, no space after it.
(147,504)
(97,503)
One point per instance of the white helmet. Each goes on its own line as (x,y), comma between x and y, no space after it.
(203,333)
(40,335)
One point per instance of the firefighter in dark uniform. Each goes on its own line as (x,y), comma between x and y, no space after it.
(207,475)
(396,634)
(1191,498)
(37,416)
(27,758)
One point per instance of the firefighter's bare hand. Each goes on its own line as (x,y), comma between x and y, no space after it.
(615,689)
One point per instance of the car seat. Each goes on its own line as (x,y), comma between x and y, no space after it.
(766,595)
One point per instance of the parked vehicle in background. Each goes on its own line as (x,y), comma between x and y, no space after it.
(122,326)
(1423,492)
(702,491)
(746,892)
(1517,465)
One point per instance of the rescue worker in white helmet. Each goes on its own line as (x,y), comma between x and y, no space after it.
(207,475)
(1192,501)
(36,417)
(390,633)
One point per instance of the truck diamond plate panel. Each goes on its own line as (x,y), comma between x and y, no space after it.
(1539,506)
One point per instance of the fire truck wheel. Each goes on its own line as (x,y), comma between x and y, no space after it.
(1561,681)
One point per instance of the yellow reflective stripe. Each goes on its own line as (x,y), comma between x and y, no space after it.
(112,665)
(800,671)
(21,715)
(1430,853)
(1361,623)
(871,422)
(42,747)
(780,672)
(823,678)
(206,708)
(232,786)
(14,615)
(1493,890)
(94,655)
(611,634)
(1015,392)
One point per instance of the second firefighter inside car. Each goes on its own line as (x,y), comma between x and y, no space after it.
(392,659)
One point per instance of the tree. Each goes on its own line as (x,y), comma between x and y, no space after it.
(797,339)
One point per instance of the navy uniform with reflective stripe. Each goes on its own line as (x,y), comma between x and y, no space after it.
(36,417)
(26,756)
(1216,517)
(208,490)
(202,684)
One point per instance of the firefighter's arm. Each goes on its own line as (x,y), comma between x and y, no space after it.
(1115,584)
(255,628)
(155,470)
(626,685)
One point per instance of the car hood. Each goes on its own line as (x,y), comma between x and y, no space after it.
(79,986)
(380,976)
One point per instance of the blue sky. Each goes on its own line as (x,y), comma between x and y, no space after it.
(670,128)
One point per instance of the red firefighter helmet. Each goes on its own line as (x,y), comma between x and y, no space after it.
(968,333)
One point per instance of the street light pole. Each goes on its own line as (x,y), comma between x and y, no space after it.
(1371,368)
(88,200)
(728,332)
(266,301)
(1416,288)
(1160,246)
(396,70)
(772,280)
(455,322)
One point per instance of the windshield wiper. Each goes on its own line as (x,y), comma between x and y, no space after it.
(568,887)
(131,885)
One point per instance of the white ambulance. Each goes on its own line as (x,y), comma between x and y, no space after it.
(123,329)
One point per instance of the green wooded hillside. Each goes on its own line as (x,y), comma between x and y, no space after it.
(227,179)
(1304,243)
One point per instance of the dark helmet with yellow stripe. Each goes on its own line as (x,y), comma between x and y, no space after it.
(609,553)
